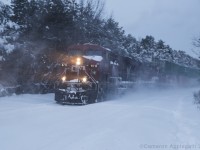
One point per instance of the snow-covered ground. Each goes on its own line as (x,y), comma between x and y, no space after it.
(145,119)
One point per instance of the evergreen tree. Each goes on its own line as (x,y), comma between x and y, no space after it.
(20,10)
(114,35)
(31,16)
(7,30)
(131,44)
(5,12)
(148,42)
(160,45)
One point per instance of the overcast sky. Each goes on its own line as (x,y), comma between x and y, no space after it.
(176,22)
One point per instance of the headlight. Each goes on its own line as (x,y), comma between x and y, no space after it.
(64,78)
(78,61)
(84,79)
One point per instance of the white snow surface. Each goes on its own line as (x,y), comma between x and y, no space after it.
(136,121)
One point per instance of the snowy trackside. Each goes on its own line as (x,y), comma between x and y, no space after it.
(142,120)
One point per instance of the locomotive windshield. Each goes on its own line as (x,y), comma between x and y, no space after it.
(75,52)
(93,53)
(90,52)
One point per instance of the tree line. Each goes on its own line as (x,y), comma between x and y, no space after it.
(34,35)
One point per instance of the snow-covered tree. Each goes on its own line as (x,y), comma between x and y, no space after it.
(114,36)
(8,30)
(20,11)
(131,44)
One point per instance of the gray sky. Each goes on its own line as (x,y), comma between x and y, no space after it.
(176,22)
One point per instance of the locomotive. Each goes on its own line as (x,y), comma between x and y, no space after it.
(91,73)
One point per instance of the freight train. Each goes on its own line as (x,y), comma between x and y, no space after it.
(91,73)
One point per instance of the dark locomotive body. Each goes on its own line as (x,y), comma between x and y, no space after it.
(91,73)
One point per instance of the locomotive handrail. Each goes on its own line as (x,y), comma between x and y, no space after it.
(92,79)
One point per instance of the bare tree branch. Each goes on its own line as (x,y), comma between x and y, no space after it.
(196,42)
(97,6)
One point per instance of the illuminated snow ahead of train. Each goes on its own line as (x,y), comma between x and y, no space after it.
(92,73)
